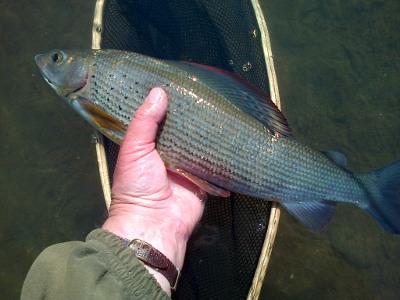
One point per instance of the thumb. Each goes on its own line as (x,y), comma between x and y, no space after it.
(143,128)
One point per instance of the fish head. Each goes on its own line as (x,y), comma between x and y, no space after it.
(65,71)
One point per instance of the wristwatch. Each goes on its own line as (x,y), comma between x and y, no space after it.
(156,260)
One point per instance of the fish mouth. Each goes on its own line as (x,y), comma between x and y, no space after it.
(41,63)
(49,82)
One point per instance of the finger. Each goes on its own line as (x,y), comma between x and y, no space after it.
(142,130)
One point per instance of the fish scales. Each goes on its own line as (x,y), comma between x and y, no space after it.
(171,141)
(194,138)
(221,130)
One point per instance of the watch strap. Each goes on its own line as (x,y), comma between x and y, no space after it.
(156,260)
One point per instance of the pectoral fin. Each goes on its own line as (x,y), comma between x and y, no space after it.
(101,118)
(106,123)
(314,215)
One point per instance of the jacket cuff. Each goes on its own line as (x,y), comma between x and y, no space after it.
(127,267)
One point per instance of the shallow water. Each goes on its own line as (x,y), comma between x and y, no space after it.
(338,73)
(49,191)
(337,67)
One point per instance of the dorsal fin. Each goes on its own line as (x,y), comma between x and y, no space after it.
(240,93)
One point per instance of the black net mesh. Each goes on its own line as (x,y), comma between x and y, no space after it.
(223,251)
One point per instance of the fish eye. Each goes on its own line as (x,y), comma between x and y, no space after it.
(56,57)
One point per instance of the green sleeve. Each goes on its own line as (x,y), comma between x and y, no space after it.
(102,267)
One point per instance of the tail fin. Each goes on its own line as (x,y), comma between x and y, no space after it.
(384,187)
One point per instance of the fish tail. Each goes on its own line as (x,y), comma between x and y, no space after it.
(383,186)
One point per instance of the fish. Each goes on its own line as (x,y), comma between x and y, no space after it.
(221,133)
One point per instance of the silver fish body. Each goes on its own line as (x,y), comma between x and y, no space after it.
(217,129)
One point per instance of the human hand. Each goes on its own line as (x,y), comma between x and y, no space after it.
(148,202)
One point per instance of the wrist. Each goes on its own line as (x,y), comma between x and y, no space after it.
(167,235)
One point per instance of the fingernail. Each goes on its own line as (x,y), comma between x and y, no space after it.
(154,96)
